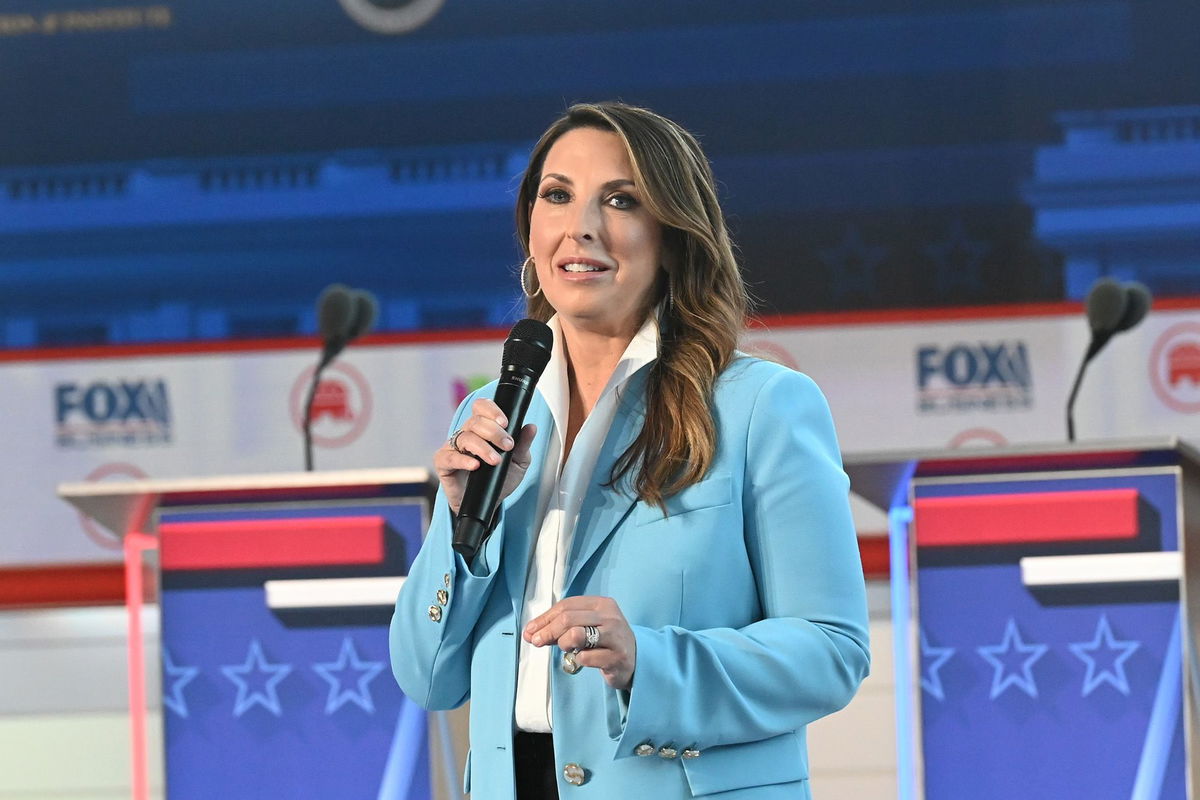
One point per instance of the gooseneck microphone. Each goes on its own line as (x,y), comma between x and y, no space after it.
(526,353)
(343,314)
(1112,307)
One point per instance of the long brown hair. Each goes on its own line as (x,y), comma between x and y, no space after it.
(706,311)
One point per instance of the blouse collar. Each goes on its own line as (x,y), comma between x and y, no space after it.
(642,350)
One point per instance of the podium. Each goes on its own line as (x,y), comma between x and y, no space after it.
(1046,609)
(274,592)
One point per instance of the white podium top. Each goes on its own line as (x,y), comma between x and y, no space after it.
(126,506)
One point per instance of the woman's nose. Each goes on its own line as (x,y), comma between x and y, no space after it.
(584,226)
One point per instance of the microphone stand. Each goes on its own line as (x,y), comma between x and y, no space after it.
(327,355)
(1093,348)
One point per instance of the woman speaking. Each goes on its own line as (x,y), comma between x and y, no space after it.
(672,590)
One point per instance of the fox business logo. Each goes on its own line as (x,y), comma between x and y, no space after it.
(104,413)
(974,377)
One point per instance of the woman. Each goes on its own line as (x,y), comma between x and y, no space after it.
(673,591)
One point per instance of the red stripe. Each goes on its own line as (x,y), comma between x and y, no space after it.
(813,320)
(876,556)
(63,585)
(1026,518)
(258,544)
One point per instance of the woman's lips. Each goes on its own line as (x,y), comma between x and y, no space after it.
(578,265)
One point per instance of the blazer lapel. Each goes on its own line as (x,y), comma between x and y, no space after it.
(605,507)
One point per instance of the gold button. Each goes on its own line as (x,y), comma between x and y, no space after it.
(574,774)
(435,613)
(668,752)
(691,752)
(443,597)
(446,580)
(645,749)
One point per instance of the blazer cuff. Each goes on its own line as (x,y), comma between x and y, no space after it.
(646,714)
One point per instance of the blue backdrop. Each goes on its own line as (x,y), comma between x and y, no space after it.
(201,168)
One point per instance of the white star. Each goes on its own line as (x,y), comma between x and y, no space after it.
(179,678)
(934,658)
(1028,655)
(256,664)
(1115,676)
(348,661)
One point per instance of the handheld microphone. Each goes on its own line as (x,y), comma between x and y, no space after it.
(1112,307)
(526,353)
(343,314)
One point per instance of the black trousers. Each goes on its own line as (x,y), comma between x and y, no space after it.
(533,761)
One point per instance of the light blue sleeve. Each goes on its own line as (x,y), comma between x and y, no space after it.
(809,654)
(431,652)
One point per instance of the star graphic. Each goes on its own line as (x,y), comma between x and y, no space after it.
(178,677)
(957,260)
(1105,648)
(933,658)
(853,263)
(264,693)
(1001,657)
(353,670)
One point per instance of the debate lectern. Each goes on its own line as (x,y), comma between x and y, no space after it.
(274,594)
(1046,607)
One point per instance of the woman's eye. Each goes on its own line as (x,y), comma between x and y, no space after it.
(622,201)
(555,195)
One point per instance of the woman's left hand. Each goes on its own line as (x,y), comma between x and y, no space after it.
(615,654)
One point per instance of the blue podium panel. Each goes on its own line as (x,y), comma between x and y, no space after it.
(286,702)
(1044,691)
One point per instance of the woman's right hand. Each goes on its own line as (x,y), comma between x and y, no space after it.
(482,433)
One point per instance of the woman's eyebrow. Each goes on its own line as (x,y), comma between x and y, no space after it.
(613,184)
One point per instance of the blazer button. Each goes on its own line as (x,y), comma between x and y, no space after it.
(574,774)
(644,749)
(446,580)
(691,752)
(668,752)
(443,597)
(435,613)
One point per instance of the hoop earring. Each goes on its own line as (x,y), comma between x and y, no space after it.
(528,278)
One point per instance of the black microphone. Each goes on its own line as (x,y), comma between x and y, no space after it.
(343,314)
(1112,308)
(526,353)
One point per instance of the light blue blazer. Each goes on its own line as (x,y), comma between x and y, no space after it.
(747,602)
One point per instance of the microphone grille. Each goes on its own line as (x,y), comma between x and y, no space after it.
(335,306)
(1138,301)
(366,311)
(528,345)
(1106,305)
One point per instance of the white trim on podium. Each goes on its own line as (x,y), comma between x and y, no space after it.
(316,593)
(1105,568)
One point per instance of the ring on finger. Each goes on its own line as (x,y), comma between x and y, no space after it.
(569,664)
(593,636)
(453,442)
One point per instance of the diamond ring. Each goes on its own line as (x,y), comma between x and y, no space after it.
(593,636)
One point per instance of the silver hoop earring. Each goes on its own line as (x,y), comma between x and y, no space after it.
(528,278)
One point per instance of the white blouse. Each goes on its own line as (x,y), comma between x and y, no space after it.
(560,496)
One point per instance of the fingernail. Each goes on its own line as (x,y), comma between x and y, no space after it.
(537,639)
(508,442)
(502,421)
